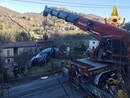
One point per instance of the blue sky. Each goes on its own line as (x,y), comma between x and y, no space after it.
(101,8)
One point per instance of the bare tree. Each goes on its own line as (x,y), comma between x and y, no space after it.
(25,57)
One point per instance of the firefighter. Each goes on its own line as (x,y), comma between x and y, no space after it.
(122,93)
(113,91)
(108,54)
(106,88)
(112,80)
(45,37)
(112,86)
(108,49)
(121,80)
(112,83)
(16,71)
(104,55)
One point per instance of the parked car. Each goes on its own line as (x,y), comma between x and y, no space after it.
(44,56)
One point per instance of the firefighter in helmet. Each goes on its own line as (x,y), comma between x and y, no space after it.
(122,92)
(45,37)
(112,80)
(108,49)
(16,70)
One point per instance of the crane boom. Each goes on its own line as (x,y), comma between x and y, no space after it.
(84,23)
(93,27)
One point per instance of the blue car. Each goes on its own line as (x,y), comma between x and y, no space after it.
(44,56)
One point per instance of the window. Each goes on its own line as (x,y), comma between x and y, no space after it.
(8,53)
(93,42)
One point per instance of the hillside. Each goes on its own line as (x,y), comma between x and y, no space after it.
(33,22)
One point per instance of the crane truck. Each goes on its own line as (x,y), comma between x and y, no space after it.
(107,61)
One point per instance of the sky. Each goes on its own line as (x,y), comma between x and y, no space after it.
(101,8)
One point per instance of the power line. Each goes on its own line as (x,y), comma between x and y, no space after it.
(67,4)
(28,1)
(53,4)
(73,3)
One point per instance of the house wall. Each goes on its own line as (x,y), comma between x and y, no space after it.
(93,44)
(22,49)
(9,60)
(9,52)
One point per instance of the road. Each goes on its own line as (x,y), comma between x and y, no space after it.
(53,87)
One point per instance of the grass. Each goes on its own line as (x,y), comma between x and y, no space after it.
(53,65)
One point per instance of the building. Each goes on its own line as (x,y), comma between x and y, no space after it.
(9,50)
(93,44)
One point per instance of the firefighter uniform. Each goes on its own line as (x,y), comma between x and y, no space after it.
(16,71)
(122,94)
(112,81)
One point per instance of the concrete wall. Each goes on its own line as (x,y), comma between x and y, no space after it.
(7,52)
(93,44)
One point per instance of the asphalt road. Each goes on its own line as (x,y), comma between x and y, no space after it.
(53,87)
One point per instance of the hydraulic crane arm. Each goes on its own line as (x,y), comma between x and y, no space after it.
(93,27)
(85,24)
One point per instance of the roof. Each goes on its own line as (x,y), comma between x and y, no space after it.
(25,44)
(18,44)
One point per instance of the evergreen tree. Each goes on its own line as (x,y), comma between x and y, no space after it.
(22,36)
